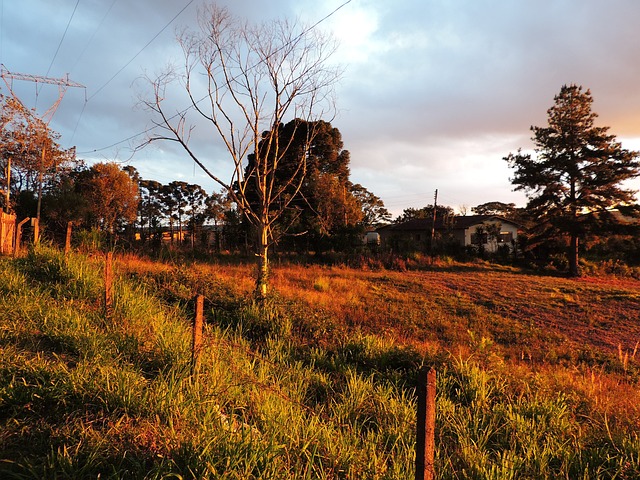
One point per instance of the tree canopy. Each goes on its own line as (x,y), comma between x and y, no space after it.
(374,213)
(442,211)
(113,196)
(506,210)
(32,150)
(326,202)
(575,179)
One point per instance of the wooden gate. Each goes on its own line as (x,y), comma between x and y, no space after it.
(7,233)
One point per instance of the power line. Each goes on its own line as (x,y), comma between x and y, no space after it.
(57,49)
(141,50)
(117,73)
(326,17)
(329,15)
(86,45)
(121,141)
(84,105)
(62,39)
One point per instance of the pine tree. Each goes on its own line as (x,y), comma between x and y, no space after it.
(574,181)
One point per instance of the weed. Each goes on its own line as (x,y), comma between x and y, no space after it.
(321,284)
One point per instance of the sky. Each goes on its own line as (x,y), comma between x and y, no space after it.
(433,95)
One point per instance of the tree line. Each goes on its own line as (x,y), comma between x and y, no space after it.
(327,212)
(575,197)
(263,90)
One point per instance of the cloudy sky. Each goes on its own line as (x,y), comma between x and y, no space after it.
(434,92)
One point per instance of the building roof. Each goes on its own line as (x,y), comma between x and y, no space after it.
(451,223)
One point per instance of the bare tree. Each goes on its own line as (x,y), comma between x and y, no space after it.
(246,81)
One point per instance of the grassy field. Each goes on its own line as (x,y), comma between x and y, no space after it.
(537,375)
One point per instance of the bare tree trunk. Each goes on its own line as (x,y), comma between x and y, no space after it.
(262,279)
(574,266)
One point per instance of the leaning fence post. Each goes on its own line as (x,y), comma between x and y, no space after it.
(426,425)
(108,286)
(196,346)
(16,245)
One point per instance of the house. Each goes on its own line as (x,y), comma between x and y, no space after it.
(371,238)
(491,231)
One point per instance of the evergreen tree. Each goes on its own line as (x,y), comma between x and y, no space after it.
(574,181)
(324,203)
(442,211)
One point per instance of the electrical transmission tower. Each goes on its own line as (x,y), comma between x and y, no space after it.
(63,84)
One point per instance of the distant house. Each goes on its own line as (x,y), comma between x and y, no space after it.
(489,230)
(371,238)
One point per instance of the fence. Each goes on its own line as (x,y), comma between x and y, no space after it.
(426,388)
(426,407)
(7,233)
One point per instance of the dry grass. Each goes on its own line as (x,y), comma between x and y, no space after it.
(537,377)
(529,316)
(575,336)
(597,312)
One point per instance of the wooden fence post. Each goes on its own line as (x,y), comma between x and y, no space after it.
(108,286)
(36,230)
(7,232)
(67,242)
(426,425)
(196,346)
(16,244)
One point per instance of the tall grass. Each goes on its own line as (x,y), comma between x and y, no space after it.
(284,391)
(83,397)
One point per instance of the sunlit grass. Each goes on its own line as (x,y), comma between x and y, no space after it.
(319,381)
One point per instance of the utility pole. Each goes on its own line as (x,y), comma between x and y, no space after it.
(63,84)
(433,221)
(7,192)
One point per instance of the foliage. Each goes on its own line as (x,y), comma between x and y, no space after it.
(67,201)
(325,203)
(150,208)
(504,210)
(575,180)
(486,233)
(37,160)
(623,249)
(374,213)
(442,211)
(112,195)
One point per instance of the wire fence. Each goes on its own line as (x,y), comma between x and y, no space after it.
(426,388)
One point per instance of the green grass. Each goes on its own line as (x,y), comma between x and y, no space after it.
(317,384)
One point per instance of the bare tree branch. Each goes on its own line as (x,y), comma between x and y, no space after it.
(254,78)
